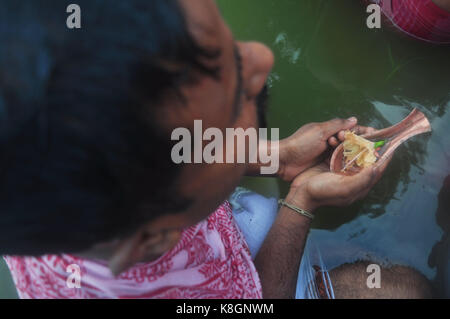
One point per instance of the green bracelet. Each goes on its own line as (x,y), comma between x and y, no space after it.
(295,209)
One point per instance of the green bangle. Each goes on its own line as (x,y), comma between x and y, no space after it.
(295,209)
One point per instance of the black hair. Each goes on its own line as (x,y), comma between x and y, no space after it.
(82,158)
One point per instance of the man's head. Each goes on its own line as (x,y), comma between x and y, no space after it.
(349,281)
(86,117)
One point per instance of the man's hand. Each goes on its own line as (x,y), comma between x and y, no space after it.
(279,257)
(309,145)
(305,147)
(318,186)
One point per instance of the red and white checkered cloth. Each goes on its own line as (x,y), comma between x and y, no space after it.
(212,260)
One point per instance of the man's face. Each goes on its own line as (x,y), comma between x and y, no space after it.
(227,102)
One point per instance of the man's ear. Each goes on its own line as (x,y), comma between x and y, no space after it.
(142,246)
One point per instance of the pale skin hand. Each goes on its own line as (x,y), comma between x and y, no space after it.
(318,186)
(279,259)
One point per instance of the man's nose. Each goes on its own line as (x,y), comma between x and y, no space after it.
(257,62)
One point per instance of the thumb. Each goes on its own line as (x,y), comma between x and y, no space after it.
(334,126)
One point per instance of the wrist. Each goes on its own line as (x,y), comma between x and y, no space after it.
(282,146)
(301,200)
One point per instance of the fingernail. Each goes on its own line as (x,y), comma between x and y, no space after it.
(352,119)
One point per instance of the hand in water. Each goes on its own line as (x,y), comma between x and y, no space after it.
(307,147)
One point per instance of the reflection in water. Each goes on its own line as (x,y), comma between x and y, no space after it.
(344,69)
(287,49)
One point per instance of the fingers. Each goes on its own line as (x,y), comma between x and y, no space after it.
(338,190)
(358,130)
(371,176)
(355,185)
(361,183)
(334,130)
(332,127)
(363,130)
(337,139)
(352,188)
(337,129)
(333,141)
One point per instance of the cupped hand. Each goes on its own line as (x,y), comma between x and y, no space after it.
(306,147)
(318,186)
